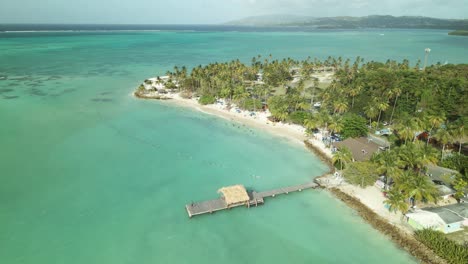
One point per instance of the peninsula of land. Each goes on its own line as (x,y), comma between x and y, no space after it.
(392,133)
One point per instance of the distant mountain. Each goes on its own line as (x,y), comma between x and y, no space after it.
(347,22)
(269,20)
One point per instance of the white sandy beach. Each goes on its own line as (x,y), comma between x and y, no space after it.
(292,132)
(371,196)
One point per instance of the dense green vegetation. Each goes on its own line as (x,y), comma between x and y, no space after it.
(354,126)
(207,99)
(347,22)
(362,97)
(442,246)
(459,33)
(361,173)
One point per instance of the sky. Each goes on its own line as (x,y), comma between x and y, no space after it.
(212,11)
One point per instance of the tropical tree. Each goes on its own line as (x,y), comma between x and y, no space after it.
(457,132)
(434,121)
(396,201)
(371,111)
(395,93)
(361,173)
(343,156)
(353,92)
(335,124)
(241,95)
(354,126)
(407,128)
(311,124)
(417,187)
(312,91)
(381,106)
(388,164)
(340,106)
(416,156)
(443,137)
(459,186)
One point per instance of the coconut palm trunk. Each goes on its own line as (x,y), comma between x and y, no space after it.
(393,110)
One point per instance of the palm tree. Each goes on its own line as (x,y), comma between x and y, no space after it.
(396,201)
(444,137)
(371,111)
(240,95)
(396,92)
(323,119)
(343,156)
(353,92)
(418,187)
(434,121)
(313,89)
(407,128)
(382,106)
(340,106)
(416,156)
(458,132)
(335,124)
(311,124)
(388,164)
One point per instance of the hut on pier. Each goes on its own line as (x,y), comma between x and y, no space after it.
(235,195)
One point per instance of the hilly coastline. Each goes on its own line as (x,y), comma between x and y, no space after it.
(348,22)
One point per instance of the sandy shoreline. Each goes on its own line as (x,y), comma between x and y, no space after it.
(294,133)
(368,201)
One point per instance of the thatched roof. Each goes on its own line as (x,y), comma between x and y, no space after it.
(234,194)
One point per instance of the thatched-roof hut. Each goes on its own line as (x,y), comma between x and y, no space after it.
(234,195)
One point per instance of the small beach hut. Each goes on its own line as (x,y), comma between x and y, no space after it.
(235,195)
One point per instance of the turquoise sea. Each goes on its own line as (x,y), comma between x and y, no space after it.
(88,174)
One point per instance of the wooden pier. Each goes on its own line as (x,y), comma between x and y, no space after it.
(255,199)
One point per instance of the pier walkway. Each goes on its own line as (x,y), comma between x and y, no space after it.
(256,198)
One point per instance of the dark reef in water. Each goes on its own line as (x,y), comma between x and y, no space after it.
(105,100)
(5,90)
(9,97)
(53,77)
(65,91)
(37,92)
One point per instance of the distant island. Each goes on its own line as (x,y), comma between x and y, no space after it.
(459,33)
(347,22)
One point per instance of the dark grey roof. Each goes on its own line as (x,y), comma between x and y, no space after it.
(451,213)
(444,190)
(436,172)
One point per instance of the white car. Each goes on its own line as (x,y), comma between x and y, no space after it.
(317,104)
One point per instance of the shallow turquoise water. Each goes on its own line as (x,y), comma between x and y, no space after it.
(91,175)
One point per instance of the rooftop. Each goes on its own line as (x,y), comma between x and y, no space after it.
(362,148)
(437,173)
(427,219)
(450,213)
(234,194)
